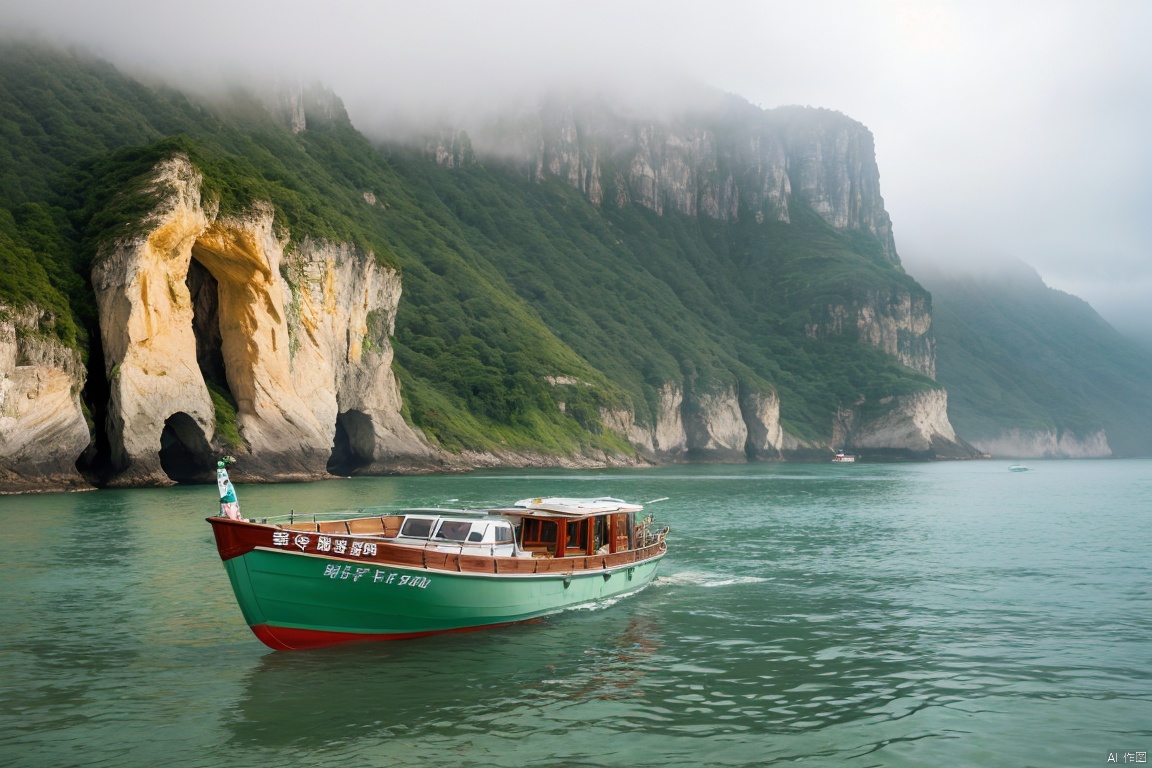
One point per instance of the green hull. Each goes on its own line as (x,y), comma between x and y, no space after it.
(297,600)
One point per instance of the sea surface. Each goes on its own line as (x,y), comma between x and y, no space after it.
(951,614)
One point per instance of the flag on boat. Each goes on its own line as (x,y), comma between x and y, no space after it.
(229,506)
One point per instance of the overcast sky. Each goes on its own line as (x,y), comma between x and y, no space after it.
(1003,129)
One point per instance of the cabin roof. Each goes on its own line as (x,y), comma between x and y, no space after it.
(568,507)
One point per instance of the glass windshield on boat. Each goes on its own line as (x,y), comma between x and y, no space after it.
(453,530)
(417,527)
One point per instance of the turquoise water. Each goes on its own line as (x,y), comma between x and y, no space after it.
(869,615)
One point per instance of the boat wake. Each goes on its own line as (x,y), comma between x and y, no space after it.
(693,578)
(598,605)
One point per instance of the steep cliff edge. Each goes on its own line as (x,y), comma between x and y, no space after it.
(42,426)
(913,426)
(788,203)
(721,425)
(897,321)
(343,310)
(731,161)
(291,354)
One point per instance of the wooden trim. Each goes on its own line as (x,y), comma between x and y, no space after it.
(235,537)
(561,538)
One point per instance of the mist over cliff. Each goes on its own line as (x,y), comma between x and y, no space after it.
(1035,372)
(718,157)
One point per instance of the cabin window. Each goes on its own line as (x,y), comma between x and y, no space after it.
(476,536)
(577,533)
(503,534)
(453,530)
(417,527)
(539,531)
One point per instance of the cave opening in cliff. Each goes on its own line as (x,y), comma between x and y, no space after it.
(185,455)
(204,291)
(353,443)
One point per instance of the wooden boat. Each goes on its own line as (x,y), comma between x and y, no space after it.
(843,458)
(417,572)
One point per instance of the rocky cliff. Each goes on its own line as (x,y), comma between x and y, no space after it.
(719,425)
(723,425)
(736,161)
(897,320)
(1045,444)
(42,426)
(699,273)
(299,342)
(913,426)
(731,164)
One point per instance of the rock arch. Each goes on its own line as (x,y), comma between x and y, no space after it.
(203,297)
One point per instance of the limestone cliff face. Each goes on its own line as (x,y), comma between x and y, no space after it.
(738,161)
(733,162)
(146,325)
(302,106)
(715,426)
(912,426)
(344,311)
(718,425)
(449,148)
(832,164)
(42,427)
(898,321)
(668,435)
(663,440)
(291,354)
(1045,444)
(761,412)
(749,163)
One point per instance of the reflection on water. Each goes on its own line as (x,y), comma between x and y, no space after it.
(389,690)
(911,615)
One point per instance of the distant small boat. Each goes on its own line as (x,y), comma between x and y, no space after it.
(416,572)
(842,457)
(1017,468)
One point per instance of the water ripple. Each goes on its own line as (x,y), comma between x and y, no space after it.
(900,616)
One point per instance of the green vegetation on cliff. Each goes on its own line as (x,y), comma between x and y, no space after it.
(649,299)
(526,311)
(1016,354)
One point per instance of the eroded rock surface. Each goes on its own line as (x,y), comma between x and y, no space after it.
(42,427)
(912,426)
(718,425)
(292,336)
(1045,444)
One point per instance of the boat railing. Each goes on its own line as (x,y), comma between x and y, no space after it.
(646,536)
(292,516)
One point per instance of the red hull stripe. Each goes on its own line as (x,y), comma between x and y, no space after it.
(290,639)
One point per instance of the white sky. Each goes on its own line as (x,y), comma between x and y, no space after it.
(1003,129)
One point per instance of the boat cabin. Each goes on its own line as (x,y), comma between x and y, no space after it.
(533,528)
(562,527)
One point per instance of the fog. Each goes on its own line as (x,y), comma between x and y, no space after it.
(1003,130)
